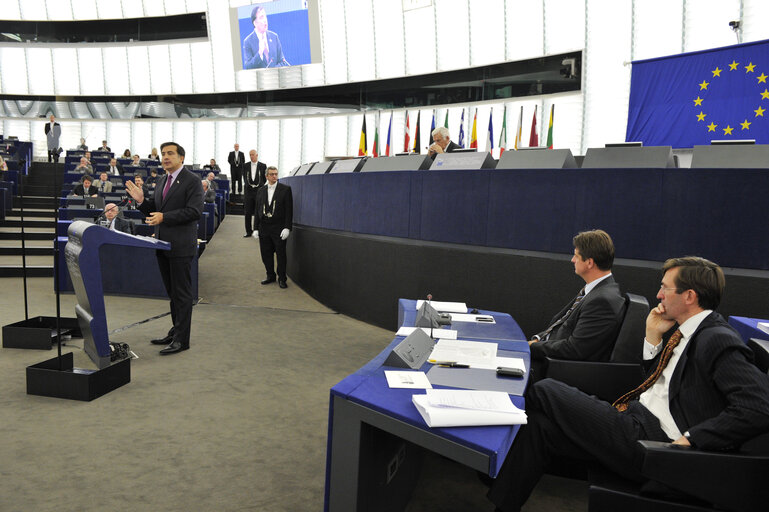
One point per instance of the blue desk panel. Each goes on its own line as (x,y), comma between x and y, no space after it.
(748,327)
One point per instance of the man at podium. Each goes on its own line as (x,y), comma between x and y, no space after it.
(174,208)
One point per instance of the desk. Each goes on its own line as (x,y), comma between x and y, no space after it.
(373,429)
(748,327)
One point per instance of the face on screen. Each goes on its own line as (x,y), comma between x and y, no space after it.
(260,22)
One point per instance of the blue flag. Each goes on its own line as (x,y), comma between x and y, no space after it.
(692,98)
(461,140)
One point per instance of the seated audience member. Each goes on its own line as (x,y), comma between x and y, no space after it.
(84,167)
(703,391)
(587,327)
(82,146)
(85,188)
(212,166)
(115,223)
(140,183)
(104,146)
(115,168)
(3,165)
(103,185)
(154,155)
(127,153)
(441,142)
(211,181)
(88,157)
(209,196)
(152,179)
(136,161)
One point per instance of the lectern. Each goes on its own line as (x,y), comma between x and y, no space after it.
(57,377)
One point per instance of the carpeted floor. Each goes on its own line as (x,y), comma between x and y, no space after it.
(238,422)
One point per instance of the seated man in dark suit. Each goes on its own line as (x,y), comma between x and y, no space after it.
(209,196)
(115,223)
(441,142)
(587,327)
(86,188)
(702,391)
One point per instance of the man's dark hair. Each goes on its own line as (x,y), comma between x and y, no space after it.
(179,149)
(595,244)
(703,276)
(86,178)
(255,12)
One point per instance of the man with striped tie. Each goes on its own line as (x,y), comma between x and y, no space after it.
(702,389)
(587,327)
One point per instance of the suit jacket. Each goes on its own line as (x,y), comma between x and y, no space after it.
(104,148)
(716,393)
(79,190)
(107,186)
(126,226)
(449,149)
(257,181)
(281,207)
(181,210)
(118,167)
(590,331)
(251,58)
(84,170)
(210,196)
(231,160)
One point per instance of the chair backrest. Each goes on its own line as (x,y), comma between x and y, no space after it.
(760,350)
(629,345)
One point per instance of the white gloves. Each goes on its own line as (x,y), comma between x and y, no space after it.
(284,234)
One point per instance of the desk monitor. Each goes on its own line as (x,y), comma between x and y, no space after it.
(304,169)
(293,171)
(457,160)
(94,203)
(743,156)
(732,142)
(531,159)
(466,150)
(321,167)
(348,165)
(649,157)
(398,163)
(412,352)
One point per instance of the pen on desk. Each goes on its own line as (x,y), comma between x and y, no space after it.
(450,364)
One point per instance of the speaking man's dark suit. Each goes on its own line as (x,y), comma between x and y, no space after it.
(79,190)
(589,333)
(716,394)
(252,182)
(236,170)
(251,56)
(181,209)
(282,210)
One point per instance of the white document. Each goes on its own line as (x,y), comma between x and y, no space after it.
(476,354)
(443,333)
(466,317)
(401,379)
(464,408)
(764,326)
(445,307)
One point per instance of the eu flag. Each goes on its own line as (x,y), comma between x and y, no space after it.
(692,98)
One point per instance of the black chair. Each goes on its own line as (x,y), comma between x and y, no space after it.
(684,479)
(623,372)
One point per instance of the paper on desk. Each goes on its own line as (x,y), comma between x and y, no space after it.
(504,362)
(764,326)
(401,379)
(445,307)
(443,333)
(485,408)
(466,317)
(473,353)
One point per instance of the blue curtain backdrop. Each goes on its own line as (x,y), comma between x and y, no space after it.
(692,98)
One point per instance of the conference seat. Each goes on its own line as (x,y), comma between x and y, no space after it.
(684,479)
(623,372)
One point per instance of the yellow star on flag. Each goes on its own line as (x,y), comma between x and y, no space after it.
(698,101)
(750,68)
(761,78)
(703,85)
(760,112)
(733,65)
(701,116)
(745,125)
(716,72)
(712,126)
(727,130)
(765,94)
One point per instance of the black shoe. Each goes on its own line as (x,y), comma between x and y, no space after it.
(173,348)
(248,235)
(282,284)
(163,341)
(269,280)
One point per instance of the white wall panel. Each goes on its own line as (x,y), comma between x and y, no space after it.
(141,139)
(184,134)
(290,144)
(221,46)
(163,131)
(40,70)
(205,143)
(56,9)
(524,29)
(181,68)
(360,39)
(452,34)
(248,135)
(33,9)
(420,41)
(119,136)
(336,136)
(226,137)
(91,71)
(657,29)
(754,16)
(153,7)
(269,144)
(390,60)
(12,10)
(66,69)
(175,7)
(707,23)
(84,9)
(70,135)
(564,25)
(313,139)
(116,76)
(487,31)
(133,9)
(109,9)
(202,66)
(334,40)
(13,67)
(94,132)
(160,66)
(138,71)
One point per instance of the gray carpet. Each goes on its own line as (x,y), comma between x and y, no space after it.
(238,422)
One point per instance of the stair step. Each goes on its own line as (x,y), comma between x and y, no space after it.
(18,271)
(16,235)
(31,251)
(36,222)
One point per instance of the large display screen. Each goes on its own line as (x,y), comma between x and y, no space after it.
(276,34)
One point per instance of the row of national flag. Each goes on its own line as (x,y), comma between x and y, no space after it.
(412,135)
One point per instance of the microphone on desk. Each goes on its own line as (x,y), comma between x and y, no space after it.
(429,298)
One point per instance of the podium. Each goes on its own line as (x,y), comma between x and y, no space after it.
(58,377)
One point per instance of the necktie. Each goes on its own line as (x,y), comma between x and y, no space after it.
(621,403)
(168,186)
(543,336)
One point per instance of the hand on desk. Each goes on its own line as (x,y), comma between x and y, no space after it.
(682,441)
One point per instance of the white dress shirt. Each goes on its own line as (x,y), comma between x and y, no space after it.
(270,191)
